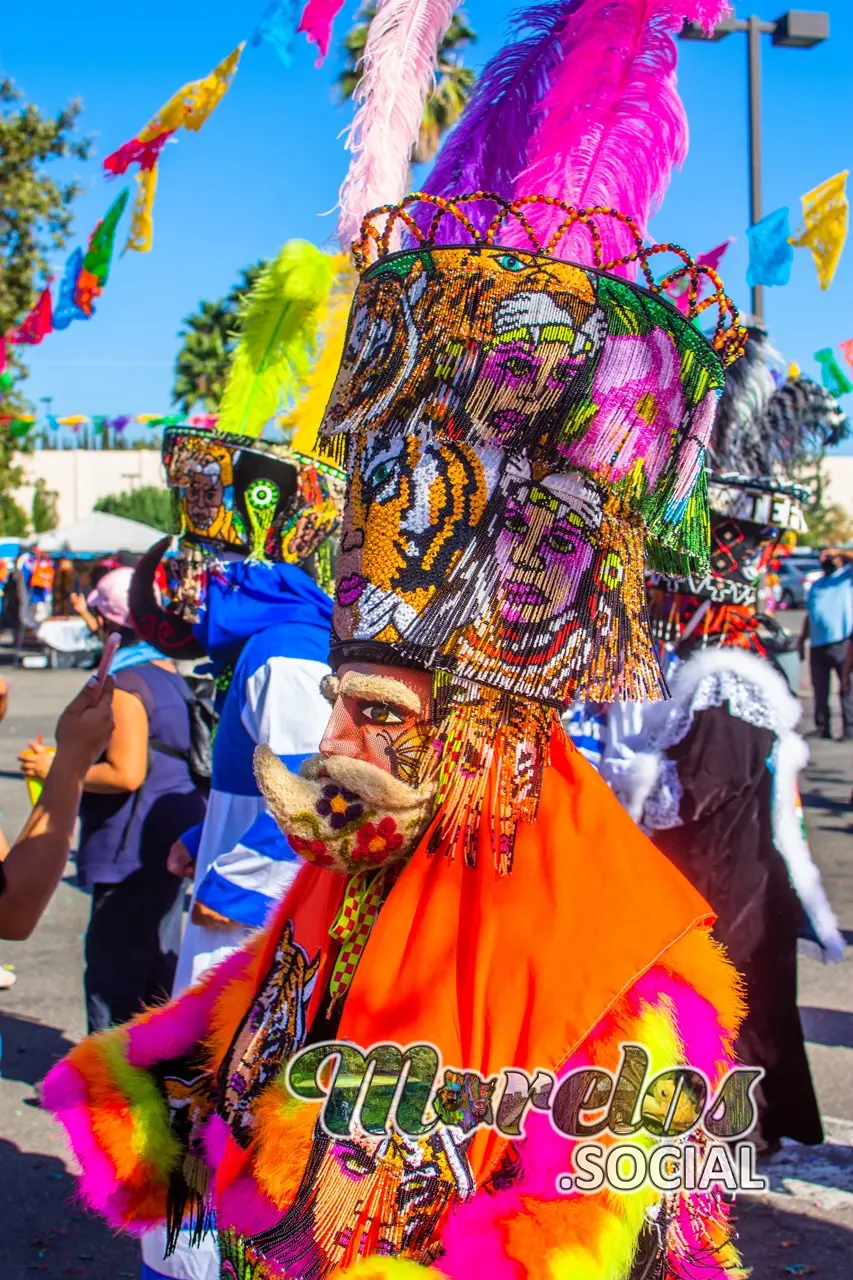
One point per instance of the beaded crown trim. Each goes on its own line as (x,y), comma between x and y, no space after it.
(377,237)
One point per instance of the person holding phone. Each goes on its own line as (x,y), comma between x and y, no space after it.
(138,798)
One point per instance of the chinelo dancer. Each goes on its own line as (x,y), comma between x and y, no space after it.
(712,775)
(521,423)
(249,586)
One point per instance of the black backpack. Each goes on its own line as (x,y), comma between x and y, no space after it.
(203,722)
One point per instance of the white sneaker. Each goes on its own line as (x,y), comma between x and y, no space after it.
(7,978)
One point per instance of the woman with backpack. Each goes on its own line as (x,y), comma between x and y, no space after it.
(137,800)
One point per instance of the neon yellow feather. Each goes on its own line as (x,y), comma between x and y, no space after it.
(153,1139)
(279,322)
(307,414)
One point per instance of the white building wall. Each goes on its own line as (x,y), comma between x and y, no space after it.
(82,476)
(839,486)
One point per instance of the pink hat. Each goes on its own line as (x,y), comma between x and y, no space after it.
(110,597)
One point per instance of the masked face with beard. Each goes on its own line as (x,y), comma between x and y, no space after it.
(359,804)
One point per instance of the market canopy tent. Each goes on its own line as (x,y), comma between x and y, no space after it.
(99,534)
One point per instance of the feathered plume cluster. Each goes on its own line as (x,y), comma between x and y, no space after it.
(767,425)
(804,411)
(278,329)
(582,104)
(399,64)
(307,414)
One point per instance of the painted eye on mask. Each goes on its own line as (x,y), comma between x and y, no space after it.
(381,713)
(382,480)
(563,541)
(510,262)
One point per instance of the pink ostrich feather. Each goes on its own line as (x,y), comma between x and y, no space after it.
(612,127)
(316,23)
(400,59)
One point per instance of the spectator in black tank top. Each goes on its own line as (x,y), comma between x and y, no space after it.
(137,800)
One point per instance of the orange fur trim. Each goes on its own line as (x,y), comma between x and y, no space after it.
(285,1130)
(703,964)
(546,1225)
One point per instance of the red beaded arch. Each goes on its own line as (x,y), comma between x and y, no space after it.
(375,241)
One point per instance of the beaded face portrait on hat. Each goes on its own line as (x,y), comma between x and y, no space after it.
(534,356)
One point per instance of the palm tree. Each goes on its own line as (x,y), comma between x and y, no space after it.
(207,342)
(454,82)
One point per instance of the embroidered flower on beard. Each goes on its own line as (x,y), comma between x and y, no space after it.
(339,806)
(373,843)
(342,813)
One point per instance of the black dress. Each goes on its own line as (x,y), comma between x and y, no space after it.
(724,846)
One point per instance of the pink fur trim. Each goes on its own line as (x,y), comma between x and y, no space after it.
(178,1026)
(244,1208)
(64,1093)
(216,1135)
(703,1038)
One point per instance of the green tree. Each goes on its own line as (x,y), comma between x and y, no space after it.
(147,504)
(207,341)
(35,221)
(45,515)
(13,517)
(454,81)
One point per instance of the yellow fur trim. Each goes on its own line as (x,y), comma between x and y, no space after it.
(386,1269)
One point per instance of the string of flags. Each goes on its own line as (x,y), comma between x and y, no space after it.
(86,272)
(189,108)
(826,212)
(22,423)
(825,218)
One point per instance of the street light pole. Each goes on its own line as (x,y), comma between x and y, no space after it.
(753,67)
(797,29)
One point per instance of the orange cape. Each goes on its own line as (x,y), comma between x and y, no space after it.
(506,971)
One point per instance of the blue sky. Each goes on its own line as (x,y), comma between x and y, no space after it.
(270,160)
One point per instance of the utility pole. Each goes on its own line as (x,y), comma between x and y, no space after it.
(797,29)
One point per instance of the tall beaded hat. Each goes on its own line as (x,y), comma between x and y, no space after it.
(232,498)
(517,429)
(771,425)
(522,423)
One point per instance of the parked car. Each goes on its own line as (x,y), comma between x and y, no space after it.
(796,573)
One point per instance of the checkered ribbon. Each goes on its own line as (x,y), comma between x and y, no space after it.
(362,899)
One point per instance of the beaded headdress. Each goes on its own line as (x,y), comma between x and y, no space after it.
(253,500)
(516,428)
(770,425)
(233,498)
(748,520)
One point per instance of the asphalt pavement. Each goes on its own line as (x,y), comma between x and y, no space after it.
(804,1226)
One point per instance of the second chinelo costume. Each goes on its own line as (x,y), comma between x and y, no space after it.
(520,423)
(712,775)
